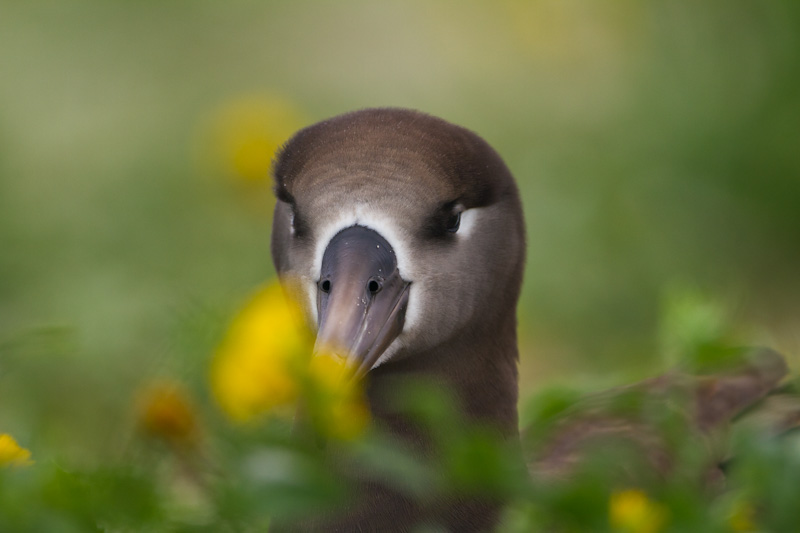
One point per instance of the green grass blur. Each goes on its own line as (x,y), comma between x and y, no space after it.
(657,147)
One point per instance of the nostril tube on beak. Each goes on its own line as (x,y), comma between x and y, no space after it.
(373,286)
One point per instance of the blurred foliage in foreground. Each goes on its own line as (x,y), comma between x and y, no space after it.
(187,467)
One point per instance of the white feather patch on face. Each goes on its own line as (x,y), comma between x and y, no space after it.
(377,220)
(388,354)
(468,222)
(310,290)
(363,215)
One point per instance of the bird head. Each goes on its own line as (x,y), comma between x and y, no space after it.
(395,231)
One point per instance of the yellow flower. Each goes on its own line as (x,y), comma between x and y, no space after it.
(265,364)
(256,368)
(246,132)
(11,453)
(339,409)
(631,511)
(743,517)
(165,412)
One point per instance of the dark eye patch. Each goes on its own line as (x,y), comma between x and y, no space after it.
(453,222)
(445,221)
(298,223)
(283,195)
(301,227)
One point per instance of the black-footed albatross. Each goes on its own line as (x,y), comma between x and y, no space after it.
(404,240)
(402,236)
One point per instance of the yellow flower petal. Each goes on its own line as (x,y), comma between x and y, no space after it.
(347,418)
(339,408)
(246,133)
(255,368)
(743,517)
(11,453)
(631,511)
(265,365)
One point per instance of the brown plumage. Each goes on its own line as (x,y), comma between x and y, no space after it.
(636,417)
(449,208)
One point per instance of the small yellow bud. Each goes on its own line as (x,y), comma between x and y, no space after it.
(631,511)
(743,517)
(165,412)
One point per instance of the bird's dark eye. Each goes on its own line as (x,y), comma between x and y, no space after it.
(446,219)
(453,222)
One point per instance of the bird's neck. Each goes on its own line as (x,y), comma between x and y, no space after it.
(478,366)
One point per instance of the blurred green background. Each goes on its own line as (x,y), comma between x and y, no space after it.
(657,146)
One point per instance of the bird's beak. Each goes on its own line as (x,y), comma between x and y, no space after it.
(361,298)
